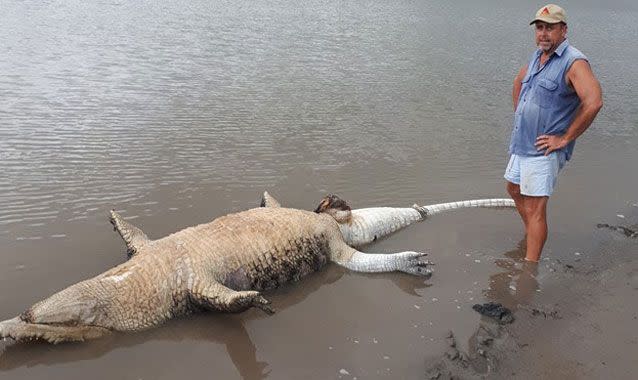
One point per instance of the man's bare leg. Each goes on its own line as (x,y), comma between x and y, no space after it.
(536,228)
(514,191)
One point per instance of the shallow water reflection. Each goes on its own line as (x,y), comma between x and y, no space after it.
(514,284)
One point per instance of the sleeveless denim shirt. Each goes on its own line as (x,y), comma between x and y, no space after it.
(546,104)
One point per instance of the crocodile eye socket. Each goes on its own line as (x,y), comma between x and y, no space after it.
(323,205)
(338,203)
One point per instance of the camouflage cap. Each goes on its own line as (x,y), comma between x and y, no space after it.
(551,14)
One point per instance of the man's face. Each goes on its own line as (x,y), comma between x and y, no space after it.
(549,36)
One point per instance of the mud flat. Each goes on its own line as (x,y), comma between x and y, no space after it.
(583,325)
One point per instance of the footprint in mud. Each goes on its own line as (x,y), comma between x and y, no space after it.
(487,347)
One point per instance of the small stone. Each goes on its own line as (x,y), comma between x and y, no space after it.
(621,216)
(577,253)
(343,371)
(417,307)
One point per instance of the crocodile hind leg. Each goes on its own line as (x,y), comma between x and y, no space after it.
(408,262)
(132,236)
(216,296)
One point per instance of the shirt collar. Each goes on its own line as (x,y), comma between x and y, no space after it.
(561,48)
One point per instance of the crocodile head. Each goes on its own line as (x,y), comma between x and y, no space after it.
(335,207)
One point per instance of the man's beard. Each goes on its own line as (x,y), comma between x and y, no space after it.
(545,46)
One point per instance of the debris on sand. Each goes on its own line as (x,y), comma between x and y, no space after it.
(546,313)
(624,230)
(495,311)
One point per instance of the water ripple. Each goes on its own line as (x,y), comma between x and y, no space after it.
(104,103)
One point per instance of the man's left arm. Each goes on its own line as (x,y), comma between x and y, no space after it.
(582,79)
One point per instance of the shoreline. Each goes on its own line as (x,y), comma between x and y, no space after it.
(582,324)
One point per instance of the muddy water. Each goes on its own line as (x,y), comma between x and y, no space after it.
(175,114)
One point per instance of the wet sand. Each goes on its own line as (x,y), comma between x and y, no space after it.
(581,326)
(573,317)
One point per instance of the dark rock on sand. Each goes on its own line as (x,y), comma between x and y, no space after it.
(495,311)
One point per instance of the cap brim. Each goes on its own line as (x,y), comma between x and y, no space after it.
(549,21)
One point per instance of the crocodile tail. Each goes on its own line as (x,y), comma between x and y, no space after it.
(430,210)
(132,236)
(22,331)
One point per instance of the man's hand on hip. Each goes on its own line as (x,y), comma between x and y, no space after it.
(550,143)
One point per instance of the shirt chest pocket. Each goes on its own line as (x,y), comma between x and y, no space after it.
(546,93)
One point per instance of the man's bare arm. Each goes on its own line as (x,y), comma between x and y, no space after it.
(588,89)
(516,91)
(582,79)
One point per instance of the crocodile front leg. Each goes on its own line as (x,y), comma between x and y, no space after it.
(409,262)
(216,296)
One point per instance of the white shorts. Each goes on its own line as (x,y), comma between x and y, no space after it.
(536,175)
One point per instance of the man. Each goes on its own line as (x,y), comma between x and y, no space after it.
(556,98)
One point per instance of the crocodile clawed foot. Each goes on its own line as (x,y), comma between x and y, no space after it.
(416,264)
(260,302)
